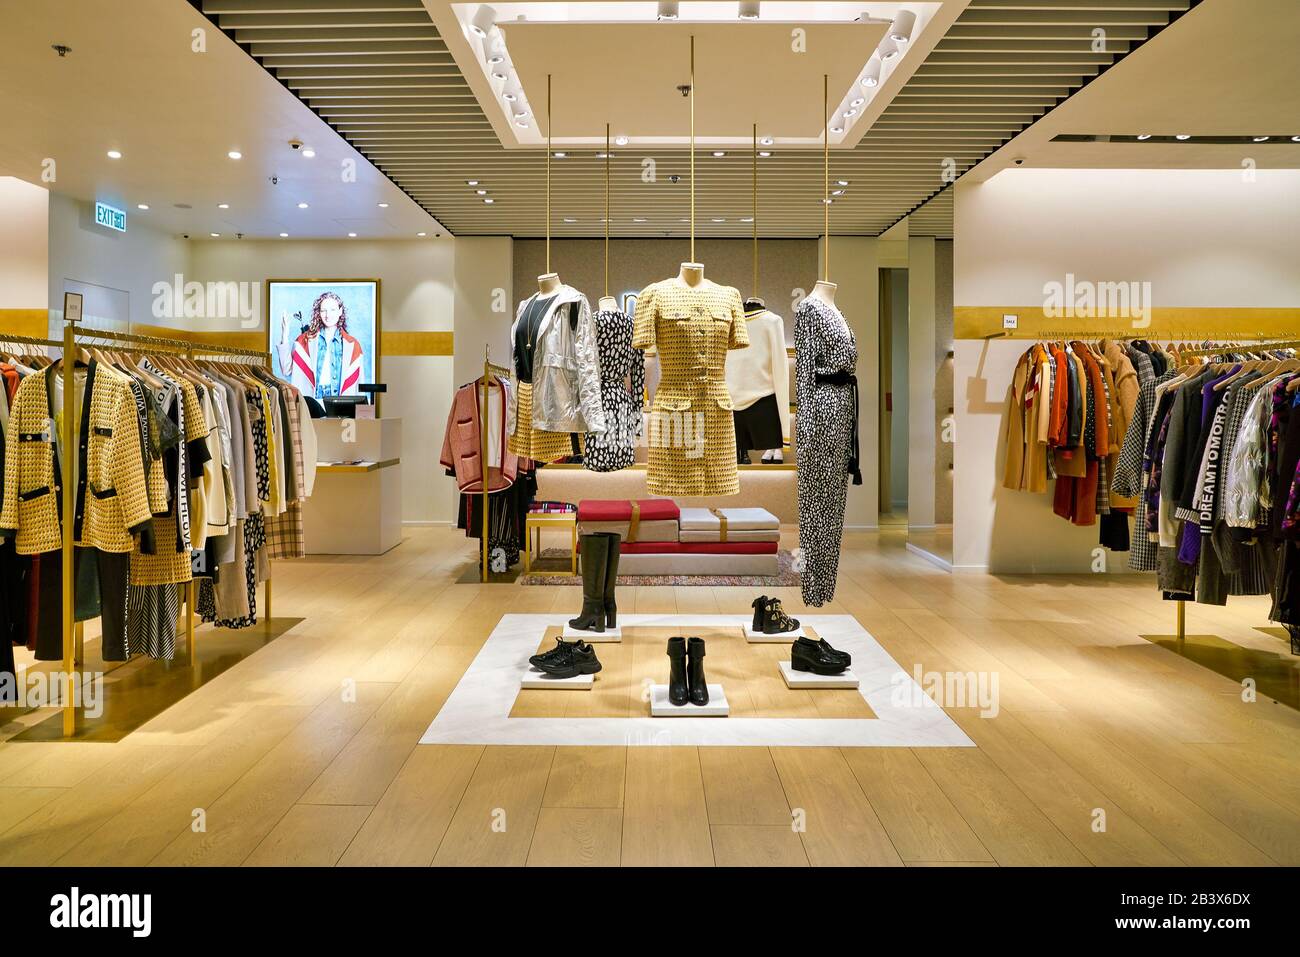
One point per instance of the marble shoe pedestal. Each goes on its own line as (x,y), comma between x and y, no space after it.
(785,637)
(593,637)
(536,679)
(661,707)
(806,680)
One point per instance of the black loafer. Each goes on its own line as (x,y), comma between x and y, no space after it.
(807,655)
(575,658)
(844,656)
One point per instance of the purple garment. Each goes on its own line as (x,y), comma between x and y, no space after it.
(1189,548)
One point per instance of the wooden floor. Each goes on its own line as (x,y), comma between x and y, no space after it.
(1107,749)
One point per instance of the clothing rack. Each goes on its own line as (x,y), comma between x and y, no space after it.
(72,338)
(489,367)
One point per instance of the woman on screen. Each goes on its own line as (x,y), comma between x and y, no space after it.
(323,360)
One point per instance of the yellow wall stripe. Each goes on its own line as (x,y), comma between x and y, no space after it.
(417,343)
(1166,322)
(25,322)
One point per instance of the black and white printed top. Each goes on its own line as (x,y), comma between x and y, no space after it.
(823,343)
(622,393)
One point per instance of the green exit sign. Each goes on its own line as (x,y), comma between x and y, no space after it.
(110,216)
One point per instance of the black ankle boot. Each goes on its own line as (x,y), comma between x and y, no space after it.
(595,552)
(677,686)
(776,621)
(695,672)
(611,579)
(759,605)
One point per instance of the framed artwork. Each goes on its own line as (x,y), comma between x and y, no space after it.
(324,334)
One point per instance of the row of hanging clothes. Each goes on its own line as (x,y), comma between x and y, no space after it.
(184,470)
(1220,476)
(511,478)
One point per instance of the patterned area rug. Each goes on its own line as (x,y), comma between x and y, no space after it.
(786,576)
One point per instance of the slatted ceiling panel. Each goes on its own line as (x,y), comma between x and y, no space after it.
(380,74)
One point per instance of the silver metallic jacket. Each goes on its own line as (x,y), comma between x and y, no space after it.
(566,369)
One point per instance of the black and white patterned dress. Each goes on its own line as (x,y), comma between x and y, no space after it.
(823,344)
(615,448)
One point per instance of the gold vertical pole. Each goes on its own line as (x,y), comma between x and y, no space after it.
(267,596)
(826,177)
(189,620)
(607,210)
(69,436)
(548,197)
(754,178)
(482,435)
(1182,621)
(693,259)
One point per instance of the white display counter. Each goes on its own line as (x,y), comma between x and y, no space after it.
(356,506)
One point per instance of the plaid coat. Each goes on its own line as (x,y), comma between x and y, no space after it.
(111,500)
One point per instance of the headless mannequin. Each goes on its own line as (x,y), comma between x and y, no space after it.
(607,304)
(692,274)
(548,283)
(824,291)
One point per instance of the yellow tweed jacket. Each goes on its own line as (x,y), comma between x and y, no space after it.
(112,504)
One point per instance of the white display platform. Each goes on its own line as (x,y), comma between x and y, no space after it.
(593,637)
(661,707)
(761,638)
(807,680)
(478,709)
(355,509)
(536,679)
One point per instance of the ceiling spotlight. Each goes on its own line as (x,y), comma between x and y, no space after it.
(828,202)
(114,155)
(481,192)
(302,205)
(569,219)
(1182,136)
(601,156)
(223,205)
(509,97)
(871,75)
(837,192)
(857,101)
(1260,139)
(620,141)
(471,182)
(900,31)
(284,235)
(766,140)
(215,235)
(1295,139)
(421,235)
(485,19)
(765,153)
(719,153)
(667,10)
(499,76)
(837,129)
(746,219)
(841,182)
(235,154)
(560,154)
(522,124)
(1144,136)
(141,205)
(848,114)
(719,220)
(352,235)
(383,205)
(489,200)
(638,219)
(308,153)
(888,49)
(521,116)
(749,9)
(495,59)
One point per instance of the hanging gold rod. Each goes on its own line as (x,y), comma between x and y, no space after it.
(826,175)
(692,98)
(754,178)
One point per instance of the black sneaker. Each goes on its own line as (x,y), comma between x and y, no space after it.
(573,659)
(559,649)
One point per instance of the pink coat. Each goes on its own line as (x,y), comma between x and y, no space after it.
(461,444)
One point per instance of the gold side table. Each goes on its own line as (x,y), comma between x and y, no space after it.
(536,522)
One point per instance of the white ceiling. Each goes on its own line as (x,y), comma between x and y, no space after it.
(134,83)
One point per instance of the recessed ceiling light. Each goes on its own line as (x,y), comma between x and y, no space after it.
(765,140)
(1261,139)
(850,113)
(481,192)
(1144,136)
(719,220)
(235,154)
(837,129)
(638,219)
(857,101)
(308,152)
(522,115)
(509,97)
(215,235)
(569,219)
(302,205)
(496,58)
(223,205)
(489,200)
(471,182)
(560,154)
(284,235)
(828,202)
(841,182)
(114,155)
(1182,136)
(421,235)
(521,124)
(746,219)
(499,76)
(383,205)
(141,205)
(719,153)
(620,140)
(837,192)
(601,156)
(764,153)
(352,235)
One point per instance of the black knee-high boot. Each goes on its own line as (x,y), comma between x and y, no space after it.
(595,554)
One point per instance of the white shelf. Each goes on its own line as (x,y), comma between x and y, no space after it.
(805,680)
(537,680)
(593,637)
(661,707)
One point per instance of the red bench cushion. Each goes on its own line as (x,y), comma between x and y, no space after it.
(620,510)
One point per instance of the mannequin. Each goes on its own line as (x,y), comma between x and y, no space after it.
(548,283)
(824,291)
(692,274)
(607,304)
